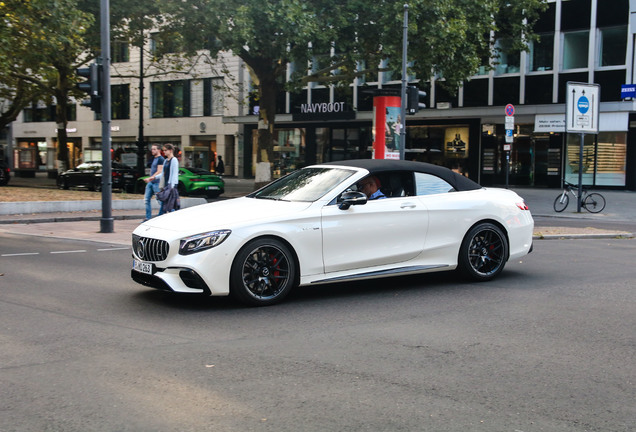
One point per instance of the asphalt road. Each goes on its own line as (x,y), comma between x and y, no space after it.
(548,346)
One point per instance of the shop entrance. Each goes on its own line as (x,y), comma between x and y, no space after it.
(535,159)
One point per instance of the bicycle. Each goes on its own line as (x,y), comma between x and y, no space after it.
(592,202)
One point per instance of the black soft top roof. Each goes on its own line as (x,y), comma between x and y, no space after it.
(377,166)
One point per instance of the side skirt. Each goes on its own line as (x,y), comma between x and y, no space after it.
(382,273)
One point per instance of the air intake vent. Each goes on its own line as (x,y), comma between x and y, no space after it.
(149,249)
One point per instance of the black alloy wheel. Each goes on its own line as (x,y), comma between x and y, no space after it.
(483,253)
(263,273)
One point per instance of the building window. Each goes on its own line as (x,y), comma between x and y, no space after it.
(197,92)
(539,89)
(120,101)
(612,46)
(508,60)
(476,93)
(541,53)
(39,112)
(164,43)
(215,101)
(170,99)
(119,52)
(575,46)
(191,98)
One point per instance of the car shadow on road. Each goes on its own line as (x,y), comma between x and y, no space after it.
(359,291)
(192,302)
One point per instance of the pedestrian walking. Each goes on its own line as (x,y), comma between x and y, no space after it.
(169,177)
(220,166)
(152,182)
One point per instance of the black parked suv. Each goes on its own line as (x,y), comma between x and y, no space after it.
(4,173)
(89,175)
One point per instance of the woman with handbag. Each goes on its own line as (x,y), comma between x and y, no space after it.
(169,179)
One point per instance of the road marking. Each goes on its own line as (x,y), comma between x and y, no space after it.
(65,252)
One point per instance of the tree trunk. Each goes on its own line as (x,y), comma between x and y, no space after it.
(268,94)
(61,119)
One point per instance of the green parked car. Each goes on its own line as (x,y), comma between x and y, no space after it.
(194,181)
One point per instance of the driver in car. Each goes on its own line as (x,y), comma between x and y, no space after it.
(370,186)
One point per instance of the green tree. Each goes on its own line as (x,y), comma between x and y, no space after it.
(42,43)
(447,38)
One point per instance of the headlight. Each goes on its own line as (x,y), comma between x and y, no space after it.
(201,242)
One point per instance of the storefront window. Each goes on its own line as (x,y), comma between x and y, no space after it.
(289,150)
(440,145)
(197,156)
(604,159)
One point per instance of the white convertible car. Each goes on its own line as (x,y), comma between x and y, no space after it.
(315,226)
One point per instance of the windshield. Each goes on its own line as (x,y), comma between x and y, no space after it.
(307,184)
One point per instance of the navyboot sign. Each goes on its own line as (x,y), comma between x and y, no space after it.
(323,111)
(322,107)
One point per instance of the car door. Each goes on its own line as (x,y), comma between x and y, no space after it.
(378,233)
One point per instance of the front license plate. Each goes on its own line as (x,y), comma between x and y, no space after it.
(142,267)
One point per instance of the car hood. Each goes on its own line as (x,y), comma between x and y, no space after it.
(226,214)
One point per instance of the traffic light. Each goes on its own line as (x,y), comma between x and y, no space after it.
(414,96)
(92,86)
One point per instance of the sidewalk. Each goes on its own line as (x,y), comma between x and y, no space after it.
(85,225)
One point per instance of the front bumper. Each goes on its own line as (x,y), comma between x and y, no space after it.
(190,280)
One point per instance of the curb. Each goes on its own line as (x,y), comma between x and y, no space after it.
(610,235)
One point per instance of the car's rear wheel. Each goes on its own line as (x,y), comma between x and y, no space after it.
(181,189)
(263,272)
(483,253)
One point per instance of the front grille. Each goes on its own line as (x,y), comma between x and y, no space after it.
(149,249)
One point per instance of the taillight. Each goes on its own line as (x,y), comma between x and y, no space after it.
(522,206)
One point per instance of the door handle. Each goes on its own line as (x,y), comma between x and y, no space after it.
(408,205)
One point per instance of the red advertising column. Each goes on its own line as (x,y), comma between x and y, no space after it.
(386,127)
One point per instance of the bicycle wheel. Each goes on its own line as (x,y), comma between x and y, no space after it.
(561,202)
(594,203)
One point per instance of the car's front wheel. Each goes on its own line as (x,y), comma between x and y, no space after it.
(483,253)
(263,272)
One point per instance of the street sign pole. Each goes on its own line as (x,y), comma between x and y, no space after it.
(579,198)
(510,127)
(582,115)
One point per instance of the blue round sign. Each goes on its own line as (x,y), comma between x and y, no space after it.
(583,104)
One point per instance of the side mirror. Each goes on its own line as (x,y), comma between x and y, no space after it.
(350,198)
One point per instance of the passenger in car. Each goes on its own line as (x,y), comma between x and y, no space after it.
(370,186)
